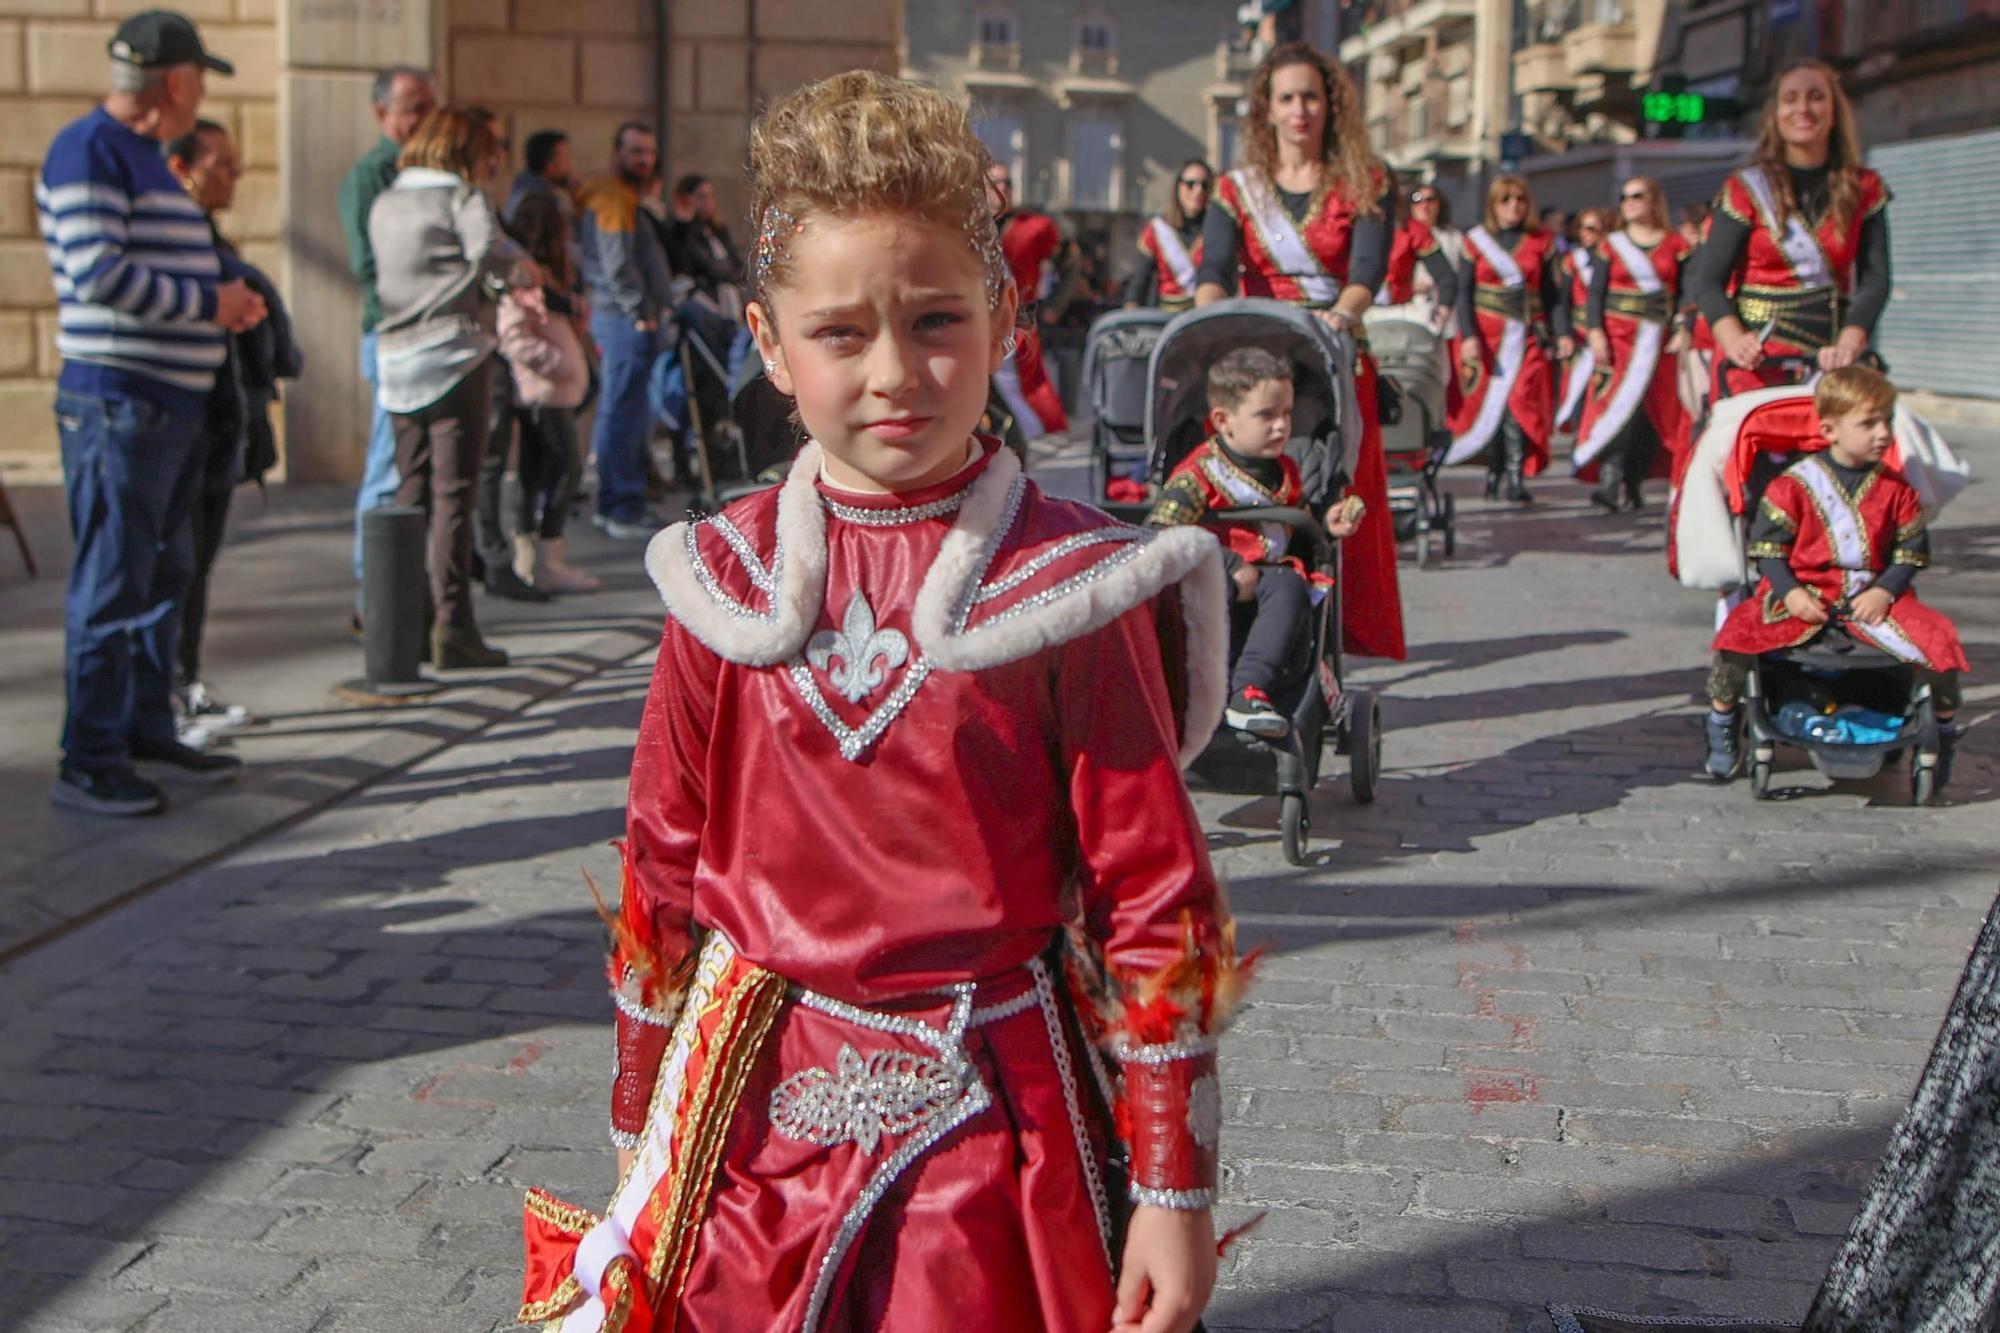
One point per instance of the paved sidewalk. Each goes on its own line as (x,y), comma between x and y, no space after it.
(1552,1021)
(277,642)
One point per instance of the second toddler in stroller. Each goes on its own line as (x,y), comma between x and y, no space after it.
(1243,465)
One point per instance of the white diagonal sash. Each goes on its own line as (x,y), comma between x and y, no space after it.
(1282,239)
(1167,243)
(1801,248)
(1843,521)
(1247,493)
(1581,367)
(1891,640)
(1506,361)
(1635,377)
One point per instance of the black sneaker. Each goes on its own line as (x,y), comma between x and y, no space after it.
(502,581)
(1250,710)
(1725,746)
(192,765)
(110,791)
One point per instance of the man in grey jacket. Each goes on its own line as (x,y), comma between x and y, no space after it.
(625,275)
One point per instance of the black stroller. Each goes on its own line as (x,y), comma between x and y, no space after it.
(1317,702)
(1117,356)
(1410,356)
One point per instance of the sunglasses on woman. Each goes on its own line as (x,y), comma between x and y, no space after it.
(1630,195)
(1194,182)
(1421,197)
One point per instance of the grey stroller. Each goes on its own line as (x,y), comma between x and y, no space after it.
(1411,356)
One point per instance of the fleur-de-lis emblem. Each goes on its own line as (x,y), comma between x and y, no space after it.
(867,655)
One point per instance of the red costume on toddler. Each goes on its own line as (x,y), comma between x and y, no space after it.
(1838,542)
(911,877)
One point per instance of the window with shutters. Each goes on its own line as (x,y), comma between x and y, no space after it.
(996,38)
(1096,49)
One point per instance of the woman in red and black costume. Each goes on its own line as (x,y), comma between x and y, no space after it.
(1581,262)
(1307,220)
(1634,425)
(1796,262)
(1508,284)
(1169,251)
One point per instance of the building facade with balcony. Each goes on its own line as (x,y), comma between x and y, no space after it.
(1433,80)
(1094,106)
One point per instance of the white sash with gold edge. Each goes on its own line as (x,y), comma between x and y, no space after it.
(1635,377)
(1848,535)
(1245,492)
(1506,362)
(1167,243)
(1282,239)
(1801,248)
(1584,364)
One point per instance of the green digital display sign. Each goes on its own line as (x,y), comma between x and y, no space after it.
(1674,108)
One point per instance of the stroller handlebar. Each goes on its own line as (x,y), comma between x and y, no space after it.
(1297,519)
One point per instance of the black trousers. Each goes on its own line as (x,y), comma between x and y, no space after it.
(209,518)
(493,543)
(550,467)
(1273,652)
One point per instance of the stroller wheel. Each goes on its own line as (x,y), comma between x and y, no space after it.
(1294,828)
(1760,779)
(1364,745)
(1450,532)
(1923,777)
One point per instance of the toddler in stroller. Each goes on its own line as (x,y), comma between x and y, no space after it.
(1838,538)
(1244,465)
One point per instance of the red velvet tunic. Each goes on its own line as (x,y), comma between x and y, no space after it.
(1765,264)
(1206,481)
(1531,400)
(1838,544)
(1371,601)
(1414,241)
(896,744)
(1616,397)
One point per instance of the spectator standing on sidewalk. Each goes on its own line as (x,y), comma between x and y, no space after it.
(442,262)
(545,355)
(402,97)
(144,312)
(239,444)
(626,278)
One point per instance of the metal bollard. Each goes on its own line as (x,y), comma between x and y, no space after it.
(394,634)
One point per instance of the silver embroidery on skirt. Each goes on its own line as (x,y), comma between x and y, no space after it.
(861,1099)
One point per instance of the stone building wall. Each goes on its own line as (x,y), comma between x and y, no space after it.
(53,68)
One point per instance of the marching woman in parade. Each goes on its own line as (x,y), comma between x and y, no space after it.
(1510,279)
(1796,263)
(1634,425)
(1306,220)
(1169,253)
(1417,247)
(1580,261)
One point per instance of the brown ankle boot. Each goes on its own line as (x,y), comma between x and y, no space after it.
(460,646)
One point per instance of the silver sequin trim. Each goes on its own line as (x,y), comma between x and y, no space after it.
(1045,993)
(1164,1053)
(767,579)
(949,1044)
(1016,493)
(625,1139)
(1056,592)
(706,577)
(1204,1111)
(863,1098)
(1185,1201)
(855,742)
(893,518)
(1074,542)
(638,1013)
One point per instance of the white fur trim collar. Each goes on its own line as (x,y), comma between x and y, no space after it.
(961,620)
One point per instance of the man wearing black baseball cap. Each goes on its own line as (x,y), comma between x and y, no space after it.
(144,310)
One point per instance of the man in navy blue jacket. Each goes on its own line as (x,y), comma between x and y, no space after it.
(144,310)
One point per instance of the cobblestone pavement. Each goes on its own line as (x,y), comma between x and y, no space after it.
(1552,1021)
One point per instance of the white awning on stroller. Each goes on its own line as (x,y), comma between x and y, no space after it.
(1708,538)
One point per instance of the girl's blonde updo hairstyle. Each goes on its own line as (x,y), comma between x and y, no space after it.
(861,143)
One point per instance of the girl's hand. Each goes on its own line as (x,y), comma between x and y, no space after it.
(1245,578)
(1804,605)
(1871,607)
(1845,351)
(1468,350)
(625,1156)
(1679,343)
(1600,346)
(1167,1273)
(1565,347)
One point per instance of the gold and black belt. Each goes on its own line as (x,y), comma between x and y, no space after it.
(1508,302)
(1653,307)
(1805,317)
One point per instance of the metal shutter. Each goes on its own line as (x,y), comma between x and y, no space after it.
(1943,318)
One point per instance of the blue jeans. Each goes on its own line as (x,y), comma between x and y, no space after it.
(130,468)
(378,474)
(618,439)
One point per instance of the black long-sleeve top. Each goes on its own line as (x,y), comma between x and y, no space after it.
(1142,279)
(1555,286)
(1769,533)
(1443,280)
(1367,247)
(1600,287)
(1713,264)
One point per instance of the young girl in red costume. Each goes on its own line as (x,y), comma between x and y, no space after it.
(913,889)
